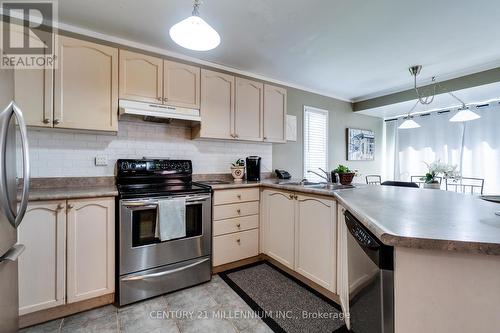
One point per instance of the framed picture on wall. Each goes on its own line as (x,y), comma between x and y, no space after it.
(360,144)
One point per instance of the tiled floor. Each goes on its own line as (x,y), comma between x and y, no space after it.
(211,307)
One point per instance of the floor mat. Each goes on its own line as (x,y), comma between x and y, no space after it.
(284,303)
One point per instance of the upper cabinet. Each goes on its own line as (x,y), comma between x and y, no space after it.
(274,114)
(150,79)
(181,85)
(217,106)
(86,86)
(141,77)
(33,90)
(248,119)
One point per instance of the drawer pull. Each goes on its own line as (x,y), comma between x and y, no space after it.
(60,207)
(238,241)
(238,211)
(239,196)
(238,226)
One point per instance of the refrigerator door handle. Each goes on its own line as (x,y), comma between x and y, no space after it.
(15,218)
(13,253)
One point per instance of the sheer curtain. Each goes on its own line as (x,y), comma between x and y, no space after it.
(438,138)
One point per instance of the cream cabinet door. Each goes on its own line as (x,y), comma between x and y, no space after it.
(278,232)
(316,240)
(33,89)
(42,265)
(248,119)
(182,85)
(274,114)
(141,77)
(217,105)
(86,86)
(91,248)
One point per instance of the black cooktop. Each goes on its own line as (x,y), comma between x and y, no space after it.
(156,177)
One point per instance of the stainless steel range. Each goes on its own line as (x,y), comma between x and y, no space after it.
(148,266)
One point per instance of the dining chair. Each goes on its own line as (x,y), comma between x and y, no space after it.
(399,184)
(418,180)
(373,180)
(466,185)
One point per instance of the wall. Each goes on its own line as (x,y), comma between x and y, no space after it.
(70,154)
(289,156)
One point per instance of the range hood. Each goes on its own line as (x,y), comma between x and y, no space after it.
(158,111)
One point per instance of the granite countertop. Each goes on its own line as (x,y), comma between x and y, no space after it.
(415,218)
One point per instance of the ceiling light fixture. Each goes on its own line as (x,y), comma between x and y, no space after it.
(409,122)
(194,33)
(464,112)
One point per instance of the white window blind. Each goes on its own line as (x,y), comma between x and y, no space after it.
(315,142)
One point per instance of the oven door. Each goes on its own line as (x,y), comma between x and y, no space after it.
(140,249)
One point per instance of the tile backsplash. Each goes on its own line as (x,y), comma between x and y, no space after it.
(58,153)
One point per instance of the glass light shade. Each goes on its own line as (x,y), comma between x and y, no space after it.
(465,115)
(409,123)
(195,34)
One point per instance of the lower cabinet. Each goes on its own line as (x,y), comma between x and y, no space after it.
(69,253)
(91,245)
(300,232)
(42,266)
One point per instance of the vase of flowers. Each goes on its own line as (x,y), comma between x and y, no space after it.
(238,170)
(435,169)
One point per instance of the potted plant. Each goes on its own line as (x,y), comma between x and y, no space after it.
(345,174)
(238,170)
(435,169)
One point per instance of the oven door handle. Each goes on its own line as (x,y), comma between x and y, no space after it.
(160,274)
(189,200)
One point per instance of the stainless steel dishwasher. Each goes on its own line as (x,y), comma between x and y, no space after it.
(371,280)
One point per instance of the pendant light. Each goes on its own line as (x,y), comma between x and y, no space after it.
(194,33)
(409,122)
(464,114)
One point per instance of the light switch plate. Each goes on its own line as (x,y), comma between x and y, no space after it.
(101,161)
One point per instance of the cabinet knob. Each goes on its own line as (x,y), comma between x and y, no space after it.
(236,136)
(238,226)
(238,211)
(265,138)
(70,206)
(60,207)
(238,241)
(165,99)
(238,196)
(159,98)
(46,121)
(56,121)
(290,196)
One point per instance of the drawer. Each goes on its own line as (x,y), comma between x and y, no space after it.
(237,246)
(222,197)
(236,210)
(228,226)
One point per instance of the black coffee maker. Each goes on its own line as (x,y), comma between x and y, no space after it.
(253,168)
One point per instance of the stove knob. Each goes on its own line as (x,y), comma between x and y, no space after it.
(125,165)
(132,166)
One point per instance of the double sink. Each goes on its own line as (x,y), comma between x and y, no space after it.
(322,186)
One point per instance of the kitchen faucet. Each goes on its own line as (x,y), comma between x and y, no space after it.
(327,177)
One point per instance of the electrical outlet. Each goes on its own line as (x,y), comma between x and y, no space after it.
(101,161)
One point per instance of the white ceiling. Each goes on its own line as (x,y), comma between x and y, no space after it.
(475,95)
(351,49)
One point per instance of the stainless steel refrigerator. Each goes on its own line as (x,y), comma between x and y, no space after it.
(11,213)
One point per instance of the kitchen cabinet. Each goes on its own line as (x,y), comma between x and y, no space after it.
(316,240)
(42,266)
(300,232)
(33,89)
(278,221)
(181,85)
(217,106)
(70,250)
(249,110)
(141,77)
(274,114)
(235,225)
(86,86)
(91,245)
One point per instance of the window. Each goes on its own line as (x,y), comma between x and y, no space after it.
(315,142)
